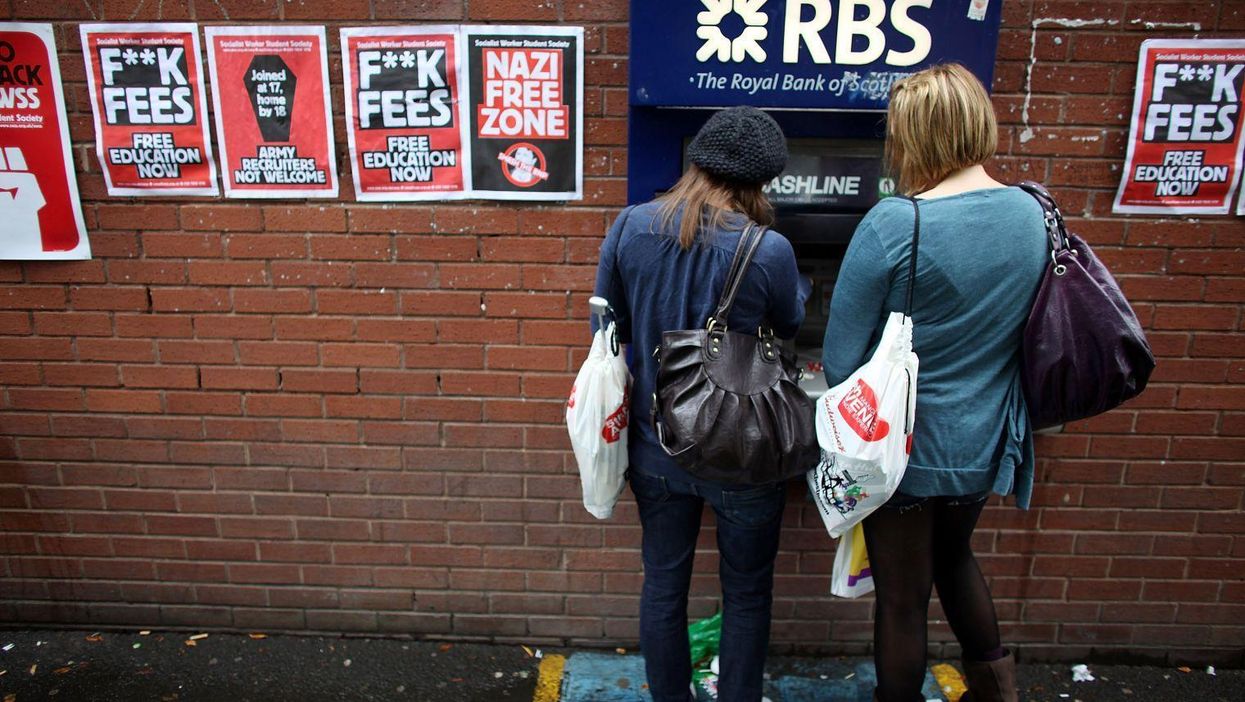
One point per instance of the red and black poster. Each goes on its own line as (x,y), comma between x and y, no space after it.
(526,111)
(39,206)
(151,131)
(1184,149)
(274,126)
(403,112)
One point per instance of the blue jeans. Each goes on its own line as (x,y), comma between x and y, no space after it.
(749,521)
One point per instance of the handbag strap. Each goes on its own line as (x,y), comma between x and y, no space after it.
(749,241)
(1056,230)
(732,273)
(916,247)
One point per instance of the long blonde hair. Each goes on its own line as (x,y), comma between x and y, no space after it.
(705,201)
(940,120)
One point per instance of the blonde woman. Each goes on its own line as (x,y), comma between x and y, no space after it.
(663,267)
(982,254)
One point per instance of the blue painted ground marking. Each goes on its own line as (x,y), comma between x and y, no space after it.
(789,689)
(931,690)
(603,677)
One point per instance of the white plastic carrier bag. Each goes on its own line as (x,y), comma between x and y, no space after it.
(851,576)
(864,426)
(597,414)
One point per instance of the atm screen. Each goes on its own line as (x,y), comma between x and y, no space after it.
(841,174)
(826,188)
(844,174)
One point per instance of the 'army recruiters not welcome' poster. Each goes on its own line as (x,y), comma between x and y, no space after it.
(1184,150)
(273,120)
(40,215)
(526,111)
(146,85)
(403,115)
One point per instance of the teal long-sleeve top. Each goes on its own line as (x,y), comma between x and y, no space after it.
(982,255)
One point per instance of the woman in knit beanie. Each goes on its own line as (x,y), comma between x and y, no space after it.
(663,267)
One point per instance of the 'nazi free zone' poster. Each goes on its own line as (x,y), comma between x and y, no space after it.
(403,113)
(146,86)
(273,117)
(526,116)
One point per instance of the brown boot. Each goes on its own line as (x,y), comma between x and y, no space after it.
(991,681)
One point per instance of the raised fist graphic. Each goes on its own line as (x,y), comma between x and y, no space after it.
(20,202)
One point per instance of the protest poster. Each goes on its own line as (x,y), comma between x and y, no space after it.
(403,113)
(525,87)
(39,205)
(274,125)
(146,87)
(1184,147)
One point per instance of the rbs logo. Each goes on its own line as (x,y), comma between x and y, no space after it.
(802,29)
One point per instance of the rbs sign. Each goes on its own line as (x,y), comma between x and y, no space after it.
(827,54)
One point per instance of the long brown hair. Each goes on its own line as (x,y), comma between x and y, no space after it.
(940,120)
(705,200)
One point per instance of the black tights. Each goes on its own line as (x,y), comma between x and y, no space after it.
(911,549)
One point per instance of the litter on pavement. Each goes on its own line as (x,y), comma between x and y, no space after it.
(1080,673)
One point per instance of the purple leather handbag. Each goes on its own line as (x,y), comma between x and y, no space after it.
(1084,351)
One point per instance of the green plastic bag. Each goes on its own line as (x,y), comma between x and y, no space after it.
(705,635)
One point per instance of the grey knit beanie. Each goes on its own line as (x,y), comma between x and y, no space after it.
(740,144)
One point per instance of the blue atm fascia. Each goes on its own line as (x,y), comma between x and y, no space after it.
(676,75)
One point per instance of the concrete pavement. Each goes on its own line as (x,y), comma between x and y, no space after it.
(174,666)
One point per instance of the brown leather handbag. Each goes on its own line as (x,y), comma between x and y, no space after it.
(728,406)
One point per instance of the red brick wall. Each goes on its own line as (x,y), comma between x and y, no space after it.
(347,417)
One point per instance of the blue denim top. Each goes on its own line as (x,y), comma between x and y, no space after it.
(655,286)
(981,259)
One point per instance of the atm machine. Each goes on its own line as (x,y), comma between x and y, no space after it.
(823,69)
(829,184)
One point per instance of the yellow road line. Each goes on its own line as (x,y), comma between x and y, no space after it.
(549,683)
(950,681)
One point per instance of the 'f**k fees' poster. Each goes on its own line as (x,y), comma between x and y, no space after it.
(1184,149)
(146,85)
(403,112)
